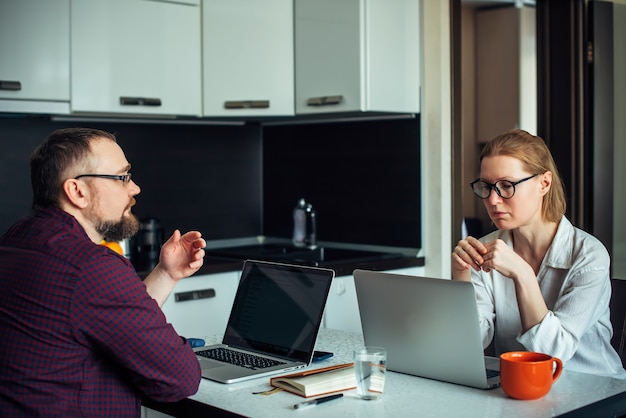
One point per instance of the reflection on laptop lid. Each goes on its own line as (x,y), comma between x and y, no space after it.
(429,327)
(273,323)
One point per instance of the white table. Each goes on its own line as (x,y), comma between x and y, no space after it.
(408,395)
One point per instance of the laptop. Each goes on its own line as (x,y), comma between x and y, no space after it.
(273,324)
(429,327)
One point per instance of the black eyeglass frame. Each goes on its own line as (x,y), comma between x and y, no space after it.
(124,178)
(493,186)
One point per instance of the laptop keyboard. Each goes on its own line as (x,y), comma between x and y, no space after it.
(492,373)
(249,361)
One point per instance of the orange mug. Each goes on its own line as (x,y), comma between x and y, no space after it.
(528,375)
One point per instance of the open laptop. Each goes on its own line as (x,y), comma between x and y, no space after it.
(429,327)
(273,323)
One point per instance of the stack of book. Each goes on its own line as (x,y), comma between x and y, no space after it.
(318,381)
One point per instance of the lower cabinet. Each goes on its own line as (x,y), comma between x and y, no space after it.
(342,307)
(199,306)
(151,413)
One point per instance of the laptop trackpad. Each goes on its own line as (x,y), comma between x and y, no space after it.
(206,364)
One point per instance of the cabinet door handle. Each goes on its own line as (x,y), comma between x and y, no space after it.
(247,104)
(194,295)
(139,101)
(324,100)
(10,85)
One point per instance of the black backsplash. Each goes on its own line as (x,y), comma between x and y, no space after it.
(206,178)
(363,178)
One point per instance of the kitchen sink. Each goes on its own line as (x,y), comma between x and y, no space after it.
(320,256)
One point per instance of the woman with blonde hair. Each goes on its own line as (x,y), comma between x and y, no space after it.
(541,284)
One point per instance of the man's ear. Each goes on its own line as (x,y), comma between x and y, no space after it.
(76,193)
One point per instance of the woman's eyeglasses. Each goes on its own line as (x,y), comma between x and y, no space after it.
(504,188)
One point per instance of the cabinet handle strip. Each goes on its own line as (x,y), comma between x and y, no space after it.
(247,104)
(10,85)
(139,101)
(194,295)
(324,100)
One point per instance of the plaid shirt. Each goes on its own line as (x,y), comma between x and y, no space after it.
(80,334)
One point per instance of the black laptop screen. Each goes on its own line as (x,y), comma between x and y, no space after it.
(278,309)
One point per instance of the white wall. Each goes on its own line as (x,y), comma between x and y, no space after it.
(436,138)
(619,171)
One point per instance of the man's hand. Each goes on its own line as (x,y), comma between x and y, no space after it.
(181,256)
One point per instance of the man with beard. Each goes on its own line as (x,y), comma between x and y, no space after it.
(82,334)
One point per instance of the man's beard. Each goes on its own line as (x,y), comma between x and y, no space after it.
(120,230)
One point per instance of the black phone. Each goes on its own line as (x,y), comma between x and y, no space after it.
(321,355)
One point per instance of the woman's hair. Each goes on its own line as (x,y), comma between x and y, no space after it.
(535,156)
(53,159)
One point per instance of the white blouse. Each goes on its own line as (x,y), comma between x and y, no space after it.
(575,284)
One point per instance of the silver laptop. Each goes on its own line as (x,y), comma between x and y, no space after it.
(273,323)
(428,326)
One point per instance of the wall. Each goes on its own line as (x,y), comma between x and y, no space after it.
(192,177)
(470,149)
(619,192)
(436,138)
(243,181)
(363,179)
(499,80)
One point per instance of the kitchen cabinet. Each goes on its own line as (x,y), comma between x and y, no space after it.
(136,57)
(199,306)
(342,306)
(151,413)
(35,51)
(248,67)
(357,55)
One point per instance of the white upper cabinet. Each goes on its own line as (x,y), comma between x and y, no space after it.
(34,56)
(248,67)
(357,55)
(136,57)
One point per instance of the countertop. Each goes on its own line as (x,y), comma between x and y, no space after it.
(216,264)
(574,394)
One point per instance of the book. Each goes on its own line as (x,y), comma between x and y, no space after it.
(316,382)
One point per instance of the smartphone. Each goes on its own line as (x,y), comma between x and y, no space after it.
(321,355)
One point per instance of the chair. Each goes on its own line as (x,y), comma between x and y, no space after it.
(618,317)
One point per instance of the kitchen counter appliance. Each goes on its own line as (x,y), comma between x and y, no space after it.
(146,244)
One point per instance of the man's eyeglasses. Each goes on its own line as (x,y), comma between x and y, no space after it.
(124,178)
(504,188)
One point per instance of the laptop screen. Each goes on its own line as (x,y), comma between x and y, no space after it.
(278,309)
